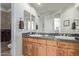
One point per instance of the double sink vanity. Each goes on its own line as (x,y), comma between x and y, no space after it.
(49,45)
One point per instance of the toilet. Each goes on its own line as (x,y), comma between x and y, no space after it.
(9,45)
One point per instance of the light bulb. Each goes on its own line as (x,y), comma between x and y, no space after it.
(39,3)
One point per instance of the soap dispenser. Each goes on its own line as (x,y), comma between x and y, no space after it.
(21,24)
(36,27)
(73,25)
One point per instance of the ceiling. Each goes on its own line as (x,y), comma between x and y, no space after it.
(6,6)
(50,7)
(44,7)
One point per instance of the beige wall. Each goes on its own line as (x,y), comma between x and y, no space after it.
(0,30)
(5,20)
(17,11)
(70,14)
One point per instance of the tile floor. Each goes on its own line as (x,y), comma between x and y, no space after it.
(5,51)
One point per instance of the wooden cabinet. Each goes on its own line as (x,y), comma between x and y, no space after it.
(42,47)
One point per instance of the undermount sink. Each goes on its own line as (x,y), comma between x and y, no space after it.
(36,35)
(65,37)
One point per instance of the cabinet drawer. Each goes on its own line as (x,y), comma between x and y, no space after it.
(72,52)
(30,39)
(73,46)
(68,45)
(41,41)
(63,45)
(34,40)
(51,42)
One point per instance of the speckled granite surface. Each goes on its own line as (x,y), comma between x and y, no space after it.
(50,38)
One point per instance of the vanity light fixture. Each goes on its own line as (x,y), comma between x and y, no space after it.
(39,3)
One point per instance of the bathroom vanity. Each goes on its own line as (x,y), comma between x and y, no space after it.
(49,46)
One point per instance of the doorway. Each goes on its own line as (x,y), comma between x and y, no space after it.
(5,29)
(57,26)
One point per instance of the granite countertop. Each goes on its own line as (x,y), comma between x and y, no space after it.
(50,38)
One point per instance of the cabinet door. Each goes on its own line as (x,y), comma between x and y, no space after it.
(24,46)
(25,51)
(72,52)
(59,52)
(35,49)
(52,43)
(65,52)
(29,49)
(62,52)
(51,51)
(41,50)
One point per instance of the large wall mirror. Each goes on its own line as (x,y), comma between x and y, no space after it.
(57,23)
(29,21)
(32,22)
